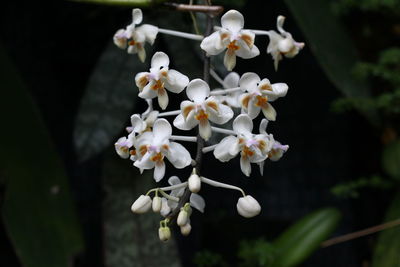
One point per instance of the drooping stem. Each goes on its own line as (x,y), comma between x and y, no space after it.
(222,185)
(212,10)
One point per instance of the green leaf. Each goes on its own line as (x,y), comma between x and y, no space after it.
(332,47)
(391,159)
(131,239)
(129,3)
(108,102)
(304,237)
(38,211)
(386,253)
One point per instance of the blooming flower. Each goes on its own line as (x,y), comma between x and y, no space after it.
(155,146)
(201,110)
(259,94)
(134,37)
(248,207)
(232,38)
(253,148)
(153,84)
(282,43)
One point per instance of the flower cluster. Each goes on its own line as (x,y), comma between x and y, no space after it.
(150,141)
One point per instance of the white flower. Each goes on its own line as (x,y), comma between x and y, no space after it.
(153,84)
(248,207)
(232,99)
(201,110)
(122,147)
(282,43)
(134,37)
(141,205)
(154,146)
(259,94)
(253,148)
(139,125)
(233,37)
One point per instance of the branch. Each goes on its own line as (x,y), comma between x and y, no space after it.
(211,10)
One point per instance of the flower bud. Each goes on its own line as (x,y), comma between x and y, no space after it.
(185,229)
(164,233)
(157,203)
(194,182)
(248,207)
(141,205)
(183,217)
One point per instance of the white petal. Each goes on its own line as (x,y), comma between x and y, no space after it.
(247,37)
(225,113)
(232,80)
(159,171)
(243,124)
(145,163)
(197,202)
(173,180)
(159,60)
(149,31)
(279,23)
(212,44)
(187,125)
(162,98)
(261,165)
(245,166)
(162,130)
(141,53)
(138,125)
(138,37)
(248,82)
(263,126)
(269,112)
(137,16)
(246,52)
(176,81)
(147,92)
(197,90)
(132,49)
(222,151)
(278,90)
(119,39)
(141,80)
(274,39)
(205,129)
(233,21)
(178,155)
(151,118)
(252,109)
(229,60)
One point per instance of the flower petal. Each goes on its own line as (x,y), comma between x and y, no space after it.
(230,60)
(232,20)
(231,80)
(141,80)
(137,16)
(145,163)
(176,81)
(159,60)
(221,151)
(247,37)
(248,82)
(225,113)
(159,171)
(205,129)
(263,126)
(120,39)
(245,165)
(138,125)
(212,44)
(246,52)
(183,124)
(269,112)
(252,109)
(243,124)
(197,202)
(162,130)
(198,90)
(178,155)
(147,92)
(162,98)
(141,52)
(149,31)
(173,180)
(278,90)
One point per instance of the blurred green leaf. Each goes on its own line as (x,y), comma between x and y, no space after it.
(38,211)
(207,258)
(332,47)
(391,159)
(256,253)
(130,3)
(305,236)
(108,101)
(386,253)
(131,240)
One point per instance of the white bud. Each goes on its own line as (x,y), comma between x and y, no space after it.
(183,217)
(194,182)
(141,205)
(248,207)
(185,229)
(164,233)
(157,203)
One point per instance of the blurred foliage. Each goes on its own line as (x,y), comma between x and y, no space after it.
(38,211)
(387,249)
(352,188)
(128,3)
(256,253)
(206,258)
(391,160)
(384,6)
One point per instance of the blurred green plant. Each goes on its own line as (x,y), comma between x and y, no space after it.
(386,6)
(206,258)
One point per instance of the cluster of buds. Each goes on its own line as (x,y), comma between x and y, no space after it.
(241,98)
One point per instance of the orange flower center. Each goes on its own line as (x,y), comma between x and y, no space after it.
(158,85)
(246,152)
(201,115)
(232,46)
(157,157)
(261,101)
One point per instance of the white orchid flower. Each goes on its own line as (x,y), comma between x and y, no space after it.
(135,37)
(259,94)
(139,125)
(160,78)
(201,109)
(122,147)
(232,98)
(155,146)
(253,148)
(232,38)
(282,43)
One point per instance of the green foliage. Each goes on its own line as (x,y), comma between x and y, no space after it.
(130,3)
(344,6)
(38,211)
(256,253)
(391,159)
(386,253)
(206,258)
(351,189)
(335,51)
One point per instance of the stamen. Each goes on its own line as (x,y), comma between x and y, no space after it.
(157,157)
(261,101)
(158,85)
(201,115)
(232,46)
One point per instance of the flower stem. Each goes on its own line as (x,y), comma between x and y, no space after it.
(173,187)
(209,148)
(217,78)
(222,185)
(169,113)
(181,34)
(184,138)
(225,91)
(222,130)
